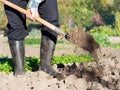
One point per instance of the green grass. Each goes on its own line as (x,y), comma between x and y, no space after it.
(33,41)
(63,48)
(104,41)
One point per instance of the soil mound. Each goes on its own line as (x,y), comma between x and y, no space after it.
(104,75)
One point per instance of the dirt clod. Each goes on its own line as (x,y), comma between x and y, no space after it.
(83,40)
(60,77)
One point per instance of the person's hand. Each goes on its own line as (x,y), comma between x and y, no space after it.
(34,13)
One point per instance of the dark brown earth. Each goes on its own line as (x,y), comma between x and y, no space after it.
(82,39)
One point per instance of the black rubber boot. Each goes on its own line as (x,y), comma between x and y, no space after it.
(46,56)
(18,54)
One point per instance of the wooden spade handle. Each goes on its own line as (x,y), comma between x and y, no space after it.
(38,19)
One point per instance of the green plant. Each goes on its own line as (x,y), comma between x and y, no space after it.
(71,59)
(104,30)
(32,63)
(104,41)
(5,64)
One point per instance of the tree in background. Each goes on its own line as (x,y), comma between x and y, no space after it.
(109,10)
(80,12)
(73,13)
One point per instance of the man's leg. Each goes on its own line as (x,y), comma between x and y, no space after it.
(48,11)
(16,33)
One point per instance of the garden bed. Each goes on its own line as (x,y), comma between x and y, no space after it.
(77,78)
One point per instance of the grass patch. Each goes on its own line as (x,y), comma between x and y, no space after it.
(104,41)
(32,41)
(62,48)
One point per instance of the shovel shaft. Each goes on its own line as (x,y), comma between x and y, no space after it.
(38,19)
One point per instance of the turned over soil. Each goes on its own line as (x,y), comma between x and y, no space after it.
(104,75)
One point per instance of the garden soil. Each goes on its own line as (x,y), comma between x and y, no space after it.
(103,75)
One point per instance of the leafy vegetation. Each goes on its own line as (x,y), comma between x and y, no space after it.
(32,63)
(104,41)
(5,64)
(71,59)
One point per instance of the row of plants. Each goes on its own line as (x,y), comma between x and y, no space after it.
(32,63)
(101,38)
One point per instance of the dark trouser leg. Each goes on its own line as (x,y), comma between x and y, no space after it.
(48,11)
(16,34)
(18,55)
(16,21)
